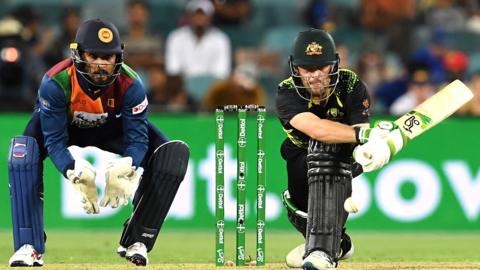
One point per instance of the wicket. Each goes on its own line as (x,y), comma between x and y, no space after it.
(241,183)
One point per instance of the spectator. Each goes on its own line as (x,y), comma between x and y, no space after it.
(198,49)
(316,14)
(59,49)
(37,40)
(390,24)
(345,55)
(231,12)
(14,83)
(242,88)
(433,55)
(167,93)
(420,88)
(143,48)
(371,67)
(456,63)
(447,15)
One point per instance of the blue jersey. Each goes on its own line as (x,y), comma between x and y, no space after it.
(67,111)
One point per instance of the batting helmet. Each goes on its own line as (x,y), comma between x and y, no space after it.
(314,48)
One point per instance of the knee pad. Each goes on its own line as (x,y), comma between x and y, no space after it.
(296,217)
(26,192)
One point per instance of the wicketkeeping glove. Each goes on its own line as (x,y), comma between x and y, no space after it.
(121,180)
(82,178)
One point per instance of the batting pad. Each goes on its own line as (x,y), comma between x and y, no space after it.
(329,184)
(165,171)
(26,193)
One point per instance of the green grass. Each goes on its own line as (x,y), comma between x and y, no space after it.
(195,250)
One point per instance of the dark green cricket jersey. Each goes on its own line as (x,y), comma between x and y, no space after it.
(349,104)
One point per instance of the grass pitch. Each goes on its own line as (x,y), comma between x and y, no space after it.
(195,250)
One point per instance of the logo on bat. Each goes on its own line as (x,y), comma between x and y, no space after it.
(416,119)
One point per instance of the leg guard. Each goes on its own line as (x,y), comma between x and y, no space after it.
(165,171)
(26,193)
(329,180)
(296,217)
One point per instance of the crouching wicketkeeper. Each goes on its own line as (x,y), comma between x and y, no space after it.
(94,99)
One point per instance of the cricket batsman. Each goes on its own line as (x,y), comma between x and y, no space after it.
(94,99)
(324,111)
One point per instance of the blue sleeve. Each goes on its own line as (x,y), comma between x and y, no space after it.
(53,119)
(135,125)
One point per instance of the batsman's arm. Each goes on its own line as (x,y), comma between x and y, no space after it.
(425,116)
(322,129)
(329,131)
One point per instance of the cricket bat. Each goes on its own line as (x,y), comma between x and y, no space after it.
(426,115)
(435,109)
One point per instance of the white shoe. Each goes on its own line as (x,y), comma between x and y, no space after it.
(26,255)
(294,258)
(121,251)
(137,254)
(318,260)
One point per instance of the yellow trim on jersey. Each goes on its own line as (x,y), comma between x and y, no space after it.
(294,139)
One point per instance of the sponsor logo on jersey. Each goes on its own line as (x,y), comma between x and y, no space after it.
(334,113)
(140,107)
(89,120)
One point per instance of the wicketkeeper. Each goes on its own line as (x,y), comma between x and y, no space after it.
(324,111)
(94,99)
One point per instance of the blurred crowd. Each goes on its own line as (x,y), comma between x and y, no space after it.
(194,55)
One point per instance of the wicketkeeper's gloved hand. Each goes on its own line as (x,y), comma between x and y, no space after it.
(82,178)
(376,153)
(121,180)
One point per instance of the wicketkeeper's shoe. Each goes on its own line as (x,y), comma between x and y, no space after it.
(137,254)
(26,255)
(318,260)
(121,251)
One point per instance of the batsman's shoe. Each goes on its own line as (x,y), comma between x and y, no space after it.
(26,255)
(294,258)
(318,260)
(346,248)
(137,254)
(121,251)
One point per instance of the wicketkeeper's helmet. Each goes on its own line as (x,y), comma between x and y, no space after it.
(97,37)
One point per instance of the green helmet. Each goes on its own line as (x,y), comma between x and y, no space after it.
(313,48)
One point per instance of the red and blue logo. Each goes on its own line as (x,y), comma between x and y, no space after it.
(19,150)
